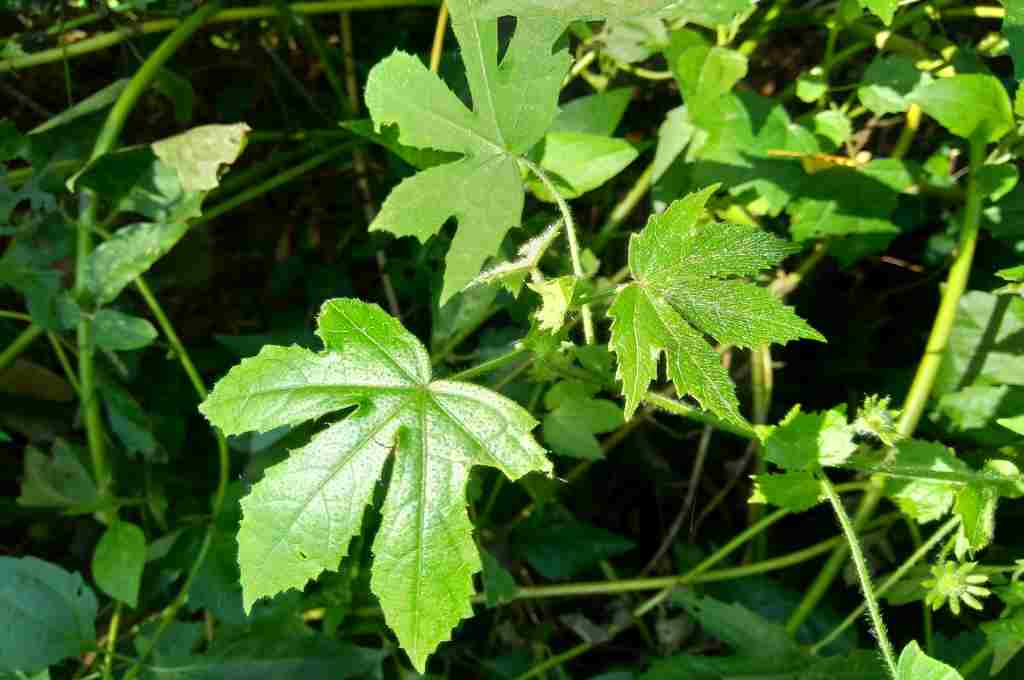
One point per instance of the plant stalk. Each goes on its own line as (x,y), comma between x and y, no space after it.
(924,378)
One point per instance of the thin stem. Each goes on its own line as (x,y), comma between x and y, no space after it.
(437,47)
(108,662)
(17,316)
(19,345)
(924,378)
(626,206)
(62,359)
(570,234)
(270,184)
(874,611)
(890,581)
(116,37)
(678,408)
(488,366)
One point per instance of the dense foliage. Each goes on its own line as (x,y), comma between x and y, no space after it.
(708,343)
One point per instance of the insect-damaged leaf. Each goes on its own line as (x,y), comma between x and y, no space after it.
(299,519)
(686,283)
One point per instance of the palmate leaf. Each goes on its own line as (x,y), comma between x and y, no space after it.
(515,101)
(685,284)
(299,519)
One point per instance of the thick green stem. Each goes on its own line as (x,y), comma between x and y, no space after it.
(924,378)
(106,40)
(570,234)
(19,345)
(861,565)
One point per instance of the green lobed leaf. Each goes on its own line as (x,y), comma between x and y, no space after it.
(118,561)
(55,613)
(514,103)
(685,285)
(989,116)
(914,664)
(581,162)
(298,520)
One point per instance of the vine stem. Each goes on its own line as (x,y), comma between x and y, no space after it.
(870,599)
(890,581)
(924,377)
(570,234)
(106,40)
(19,344)
(439,32)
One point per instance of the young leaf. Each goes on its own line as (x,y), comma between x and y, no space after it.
(889,83)
(556,296)
(300,517)
(914,664)
(63,614)
(118,561)
(924,499)
(685,284)
(119,332)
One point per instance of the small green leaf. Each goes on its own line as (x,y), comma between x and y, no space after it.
(119,332)
(299,519)
(118,562)
(889,84)
(556,296)
(57,481)
(811,85)
(49,614)
(976,506)
(198,154)
(916,665)
(883,9)
(576,418)
(806,441)
(1015,423)
(989,116)
(794,491)
(673,137)
(706,73)
(834,125)
(685,283)
(581,162)
(130,253)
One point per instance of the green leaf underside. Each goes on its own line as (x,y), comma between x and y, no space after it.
(683,287)
(299,519)
(55,613)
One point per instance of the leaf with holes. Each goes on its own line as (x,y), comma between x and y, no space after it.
(299,519)
(686,282)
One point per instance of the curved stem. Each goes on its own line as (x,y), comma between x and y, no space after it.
(570,234)
(874,611)
(19,345)
(488,366)
(106,40)
(924,378)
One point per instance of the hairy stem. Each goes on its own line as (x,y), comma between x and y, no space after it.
(924,378)
(570,234)
(870,599)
